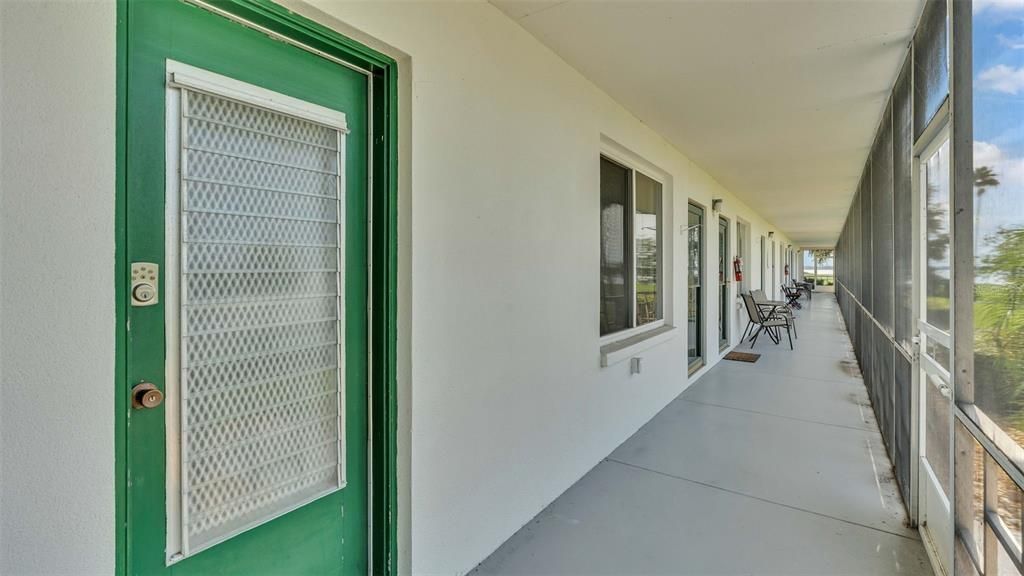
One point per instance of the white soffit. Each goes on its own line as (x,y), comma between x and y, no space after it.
(778,100)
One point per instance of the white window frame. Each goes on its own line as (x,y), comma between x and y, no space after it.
(634,164)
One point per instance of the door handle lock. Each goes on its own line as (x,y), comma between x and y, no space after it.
(145,283)
(146,396)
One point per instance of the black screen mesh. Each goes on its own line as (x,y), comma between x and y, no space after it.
(903,241)
(882,361)
(865,239)
(901,448)
(881,224)
(931,75)
(874,254)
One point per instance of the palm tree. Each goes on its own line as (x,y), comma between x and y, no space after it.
(984,178)
(999,328)
(820,257)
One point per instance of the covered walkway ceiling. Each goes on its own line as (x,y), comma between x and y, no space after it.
(778,100)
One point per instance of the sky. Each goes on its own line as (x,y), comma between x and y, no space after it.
(999,113)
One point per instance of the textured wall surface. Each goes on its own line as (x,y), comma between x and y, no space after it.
(57,295)
(509,403)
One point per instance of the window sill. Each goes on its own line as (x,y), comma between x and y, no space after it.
(619,350)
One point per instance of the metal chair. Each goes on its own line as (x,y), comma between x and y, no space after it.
(792,296)
(807,287)
(768,324)
(775,307)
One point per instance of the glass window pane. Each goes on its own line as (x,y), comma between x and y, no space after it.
(936,181)
(694,313)
(647,227)
(999,219)
(818,267)
(615,247)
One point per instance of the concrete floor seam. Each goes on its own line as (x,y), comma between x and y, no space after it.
(782,416)
(853,380)
(762,499)
(850,380)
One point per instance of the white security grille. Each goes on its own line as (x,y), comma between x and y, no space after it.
(261,296)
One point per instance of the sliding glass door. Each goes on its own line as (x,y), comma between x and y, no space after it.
(723,283)
(764,265)
(742,252)
(774,273)
(694,288)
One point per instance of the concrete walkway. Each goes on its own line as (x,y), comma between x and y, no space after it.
(775,467)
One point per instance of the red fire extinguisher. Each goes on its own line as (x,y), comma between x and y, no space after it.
(737,268)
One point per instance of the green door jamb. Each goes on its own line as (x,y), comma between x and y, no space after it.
(383,202)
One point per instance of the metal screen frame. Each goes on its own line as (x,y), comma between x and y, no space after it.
(866,266)
(925,97)
(983,449)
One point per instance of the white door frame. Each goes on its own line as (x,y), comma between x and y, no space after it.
(934,508)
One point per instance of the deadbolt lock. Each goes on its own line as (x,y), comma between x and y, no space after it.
(145,283)
(146,396)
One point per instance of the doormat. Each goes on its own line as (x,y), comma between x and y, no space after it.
(742,356)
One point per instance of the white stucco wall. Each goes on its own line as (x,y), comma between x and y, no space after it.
(509,403)
(500,354)
(1,282)
(56,296)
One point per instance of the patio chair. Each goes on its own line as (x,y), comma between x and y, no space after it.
(775,307)
(807,287)
(769,324)
(792,295)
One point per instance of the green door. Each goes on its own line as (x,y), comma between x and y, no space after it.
(246,205)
